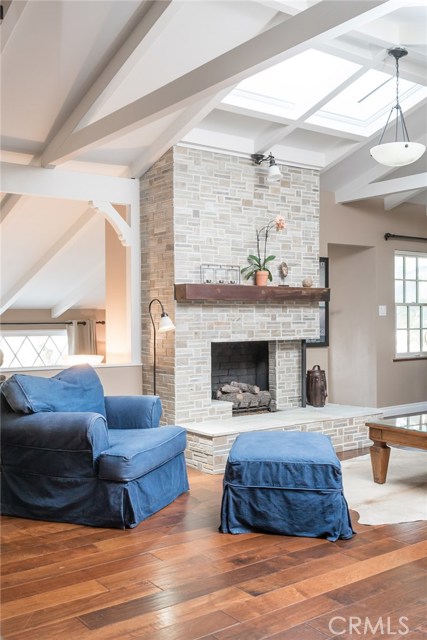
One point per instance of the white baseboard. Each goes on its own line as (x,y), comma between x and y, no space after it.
(404,409)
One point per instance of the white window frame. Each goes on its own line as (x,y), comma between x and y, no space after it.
(415,306)
(31,333)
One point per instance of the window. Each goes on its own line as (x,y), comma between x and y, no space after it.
(410,284)
(43,348)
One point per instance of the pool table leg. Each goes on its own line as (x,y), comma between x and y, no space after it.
(380,455)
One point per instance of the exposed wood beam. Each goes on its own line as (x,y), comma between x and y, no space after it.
(85,285)
(71,185)
(393,201)
(326,19)
(74,232)
(139,41)
(377,189)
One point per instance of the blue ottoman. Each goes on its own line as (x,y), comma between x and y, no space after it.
(284,482)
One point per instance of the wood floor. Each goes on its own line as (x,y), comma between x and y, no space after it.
(175,577)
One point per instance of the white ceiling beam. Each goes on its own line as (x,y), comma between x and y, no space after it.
(287,122)
(75,231)
(353,51)
(284,7)
(378,189)
(413,68)
(14,14)
(352,162)
(393,201)
(84,286)
(275,138)
(399,32)
(135,45)
(252,113)
(219,141)
(184,123)
(365,144)
(70,185)
(326,19)
(111,214)
(335,153)
(369,63)
(9,204)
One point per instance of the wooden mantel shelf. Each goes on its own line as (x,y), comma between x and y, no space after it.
(248,293)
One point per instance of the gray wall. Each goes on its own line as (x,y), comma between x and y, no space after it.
(362,278)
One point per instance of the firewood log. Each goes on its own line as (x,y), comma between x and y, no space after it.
(243,386)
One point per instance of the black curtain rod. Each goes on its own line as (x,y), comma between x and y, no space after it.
(393,236)
(83,322)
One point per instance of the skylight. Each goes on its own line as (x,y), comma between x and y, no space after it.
(291,88)
(327,91)
(363,107)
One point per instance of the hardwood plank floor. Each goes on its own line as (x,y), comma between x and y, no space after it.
(175,577)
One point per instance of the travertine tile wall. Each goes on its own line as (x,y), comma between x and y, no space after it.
(209,453)
(202,207)
(157,278)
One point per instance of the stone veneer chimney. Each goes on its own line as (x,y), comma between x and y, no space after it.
(202,207)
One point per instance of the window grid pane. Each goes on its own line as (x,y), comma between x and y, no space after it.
(33,350)
(410,284)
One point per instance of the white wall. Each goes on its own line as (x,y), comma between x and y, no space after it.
(117,380)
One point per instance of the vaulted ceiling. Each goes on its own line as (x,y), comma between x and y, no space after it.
(107,86)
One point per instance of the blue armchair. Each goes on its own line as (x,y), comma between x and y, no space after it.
(71,454)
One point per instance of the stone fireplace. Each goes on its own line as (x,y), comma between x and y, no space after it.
(200,207)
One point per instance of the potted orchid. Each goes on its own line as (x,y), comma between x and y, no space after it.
(259,263)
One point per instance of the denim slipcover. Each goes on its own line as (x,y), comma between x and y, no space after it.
(84,468)
(77,388)
(130,456)
(286,483)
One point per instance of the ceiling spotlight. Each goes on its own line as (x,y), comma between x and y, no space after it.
(274,174)
(400,152)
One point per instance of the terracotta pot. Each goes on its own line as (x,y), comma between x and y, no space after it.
(261,278)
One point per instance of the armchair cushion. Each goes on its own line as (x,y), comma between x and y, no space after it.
(133,412)
(75,389)
(133,453)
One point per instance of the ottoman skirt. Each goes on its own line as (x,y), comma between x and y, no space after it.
(287,483)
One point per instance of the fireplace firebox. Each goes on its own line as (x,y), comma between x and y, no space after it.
(240,375)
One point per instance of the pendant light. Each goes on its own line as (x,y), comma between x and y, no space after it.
(400,152)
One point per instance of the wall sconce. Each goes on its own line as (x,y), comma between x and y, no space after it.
(165,324)
(274,174)
(403,152)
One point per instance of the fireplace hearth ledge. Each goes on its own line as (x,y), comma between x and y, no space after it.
(209,442)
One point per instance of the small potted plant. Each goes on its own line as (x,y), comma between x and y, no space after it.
(258,264)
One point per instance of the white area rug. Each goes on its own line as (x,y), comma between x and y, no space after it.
(402,498)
